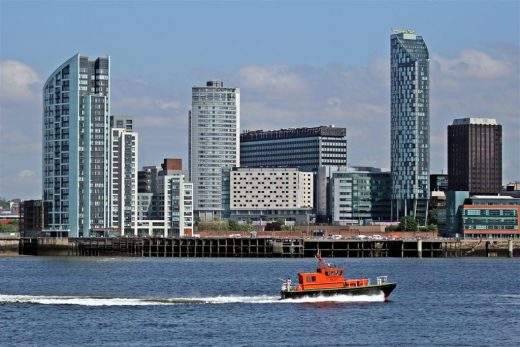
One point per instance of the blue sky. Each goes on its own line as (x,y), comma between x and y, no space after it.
(298,63)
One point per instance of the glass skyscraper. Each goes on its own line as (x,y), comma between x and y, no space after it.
(410,125)
(214,144)
(76,147)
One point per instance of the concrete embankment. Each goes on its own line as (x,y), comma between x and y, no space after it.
(9,246)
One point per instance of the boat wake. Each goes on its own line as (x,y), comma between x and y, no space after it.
(231,299)
(340,298)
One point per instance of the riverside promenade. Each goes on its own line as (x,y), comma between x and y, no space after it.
(262,247)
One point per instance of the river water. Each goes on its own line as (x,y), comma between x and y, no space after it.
(234,302)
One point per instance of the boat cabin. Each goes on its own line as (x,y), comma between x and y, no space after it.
(323,277)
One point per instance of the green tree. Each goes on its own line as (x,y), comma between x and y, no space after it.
(11,227)
(433,217)
(407,223)
(4,203)
(233,225)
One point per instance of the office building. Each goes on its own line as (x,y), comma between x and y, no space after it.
(494,217)
(263,194)
(454,202)
(76,147)
(360,197)
(475,155)
(410,125)
(303,148)
(214,144)
(123,179)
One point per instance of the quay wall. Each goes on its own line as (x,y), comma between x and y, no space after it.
(9,246)
(258,247)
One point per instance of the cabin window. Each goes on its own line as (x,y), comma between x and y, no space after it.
(314,278)
(308,279)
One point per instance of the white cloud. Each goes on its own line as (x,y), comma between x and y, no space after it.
(168,105)
(18,82)
(271,80)
(26,174)
(471,64)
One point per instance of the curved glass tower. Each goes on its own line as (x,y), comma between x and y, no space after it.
(410,125)
(76,147)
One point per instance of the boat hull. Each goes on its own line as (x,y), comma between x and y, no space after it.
(375,289)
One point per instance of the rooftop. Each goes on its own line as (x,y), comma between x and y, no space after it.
(475,120)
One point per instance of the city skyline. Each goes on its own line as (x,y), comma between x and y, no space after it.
(299,72)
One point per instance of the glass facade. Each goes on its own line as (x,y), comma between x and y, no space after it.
(304,148)
(360,197)
(494,222)
(410,124)
(214,144)
(76,141)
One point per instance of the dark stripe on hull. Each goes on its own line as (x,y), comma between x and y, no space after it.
(367,290)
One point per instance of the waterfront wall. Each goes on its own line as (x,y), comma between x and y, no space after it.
(249,247)
(9,246)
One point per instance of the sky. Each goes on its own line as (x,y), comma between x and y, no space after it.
(297,64)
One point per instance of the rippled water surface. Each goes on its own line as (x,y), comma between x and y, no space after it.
(235,302)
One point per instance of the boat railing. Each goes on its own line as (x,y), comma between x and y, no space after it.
(382,279)
(287,286)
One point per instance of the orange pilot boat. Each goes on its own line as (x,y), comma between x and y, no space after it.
(329,280)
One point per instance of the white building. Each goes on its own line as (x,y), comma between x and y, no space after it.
(123,180)
(167,210)
(270,193)
(214,143)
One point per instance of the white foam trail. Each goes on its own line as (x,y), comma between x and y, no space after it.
(340,298)
(77,300)
(231,299)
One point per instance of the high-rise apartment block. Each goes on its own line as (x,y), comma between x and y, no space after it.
(214,144)
(76,147)
(410,125)
(304,148)
(475,156)
(123,179)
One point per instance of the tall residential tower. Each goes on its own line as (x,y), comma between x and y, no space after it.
(76,147)
(410,125)
(123,179)
(214,144)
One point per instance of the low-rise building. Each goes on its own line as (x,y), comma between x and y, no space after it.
(270,193)
(360,197)
(34,217)
(493,217)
